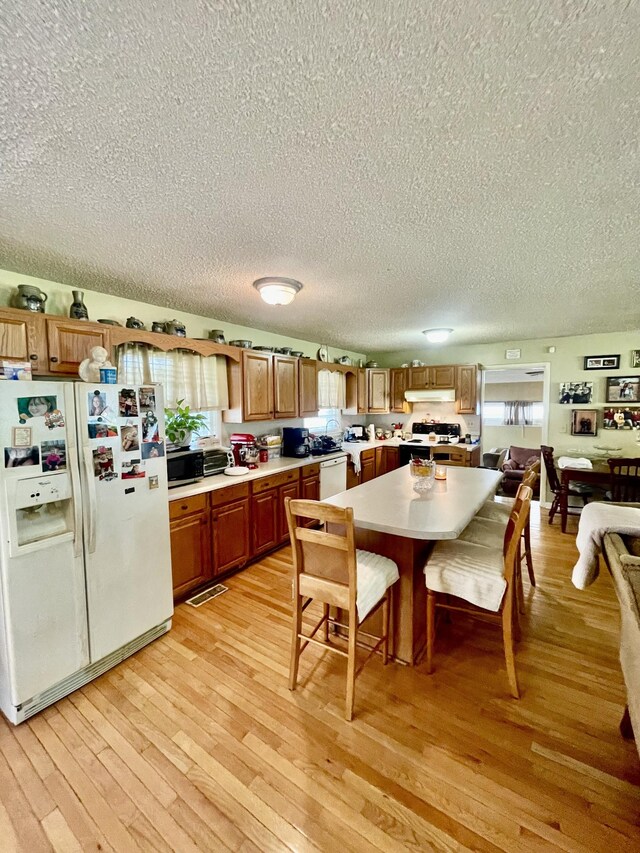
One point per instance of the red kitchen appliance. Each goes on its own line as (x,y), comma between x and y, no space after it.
(244,448)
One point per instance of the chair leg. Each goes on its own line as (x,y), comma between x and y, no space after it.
(385,628)
(295,642)
(518,579)
(554,507)
(431,627)
(508,639)
(325,627)
(527,553)
(351,665)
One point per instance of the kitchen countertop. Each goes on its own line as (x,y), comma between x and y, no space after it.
(221,481)
(388,504)
(397,442)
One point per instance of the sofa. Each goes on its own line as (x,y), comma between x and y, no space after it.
(622,556)
(514,466)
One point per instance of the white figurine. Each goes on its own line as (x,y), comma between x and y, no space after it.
(89,369)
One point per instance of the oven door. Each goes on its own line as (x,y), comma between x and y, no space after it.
(419,451)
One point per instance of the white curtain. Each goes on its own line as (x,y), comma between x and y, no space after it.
(201,381)
(332,392)
(518,412)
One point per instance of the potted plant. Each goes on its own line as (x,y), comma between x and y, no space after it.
(181,423)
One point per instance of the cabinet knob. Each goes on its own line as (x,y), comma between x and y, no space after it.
(184,506)
(33,356)
(54,358)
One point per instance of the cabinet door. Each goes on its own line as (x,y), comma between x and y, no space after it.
(22,338)
(442,376)
(71,341)
(190,553)
(310,488)
(285,386)
(390,460)
(362,391)
(292,490)
(418,378)
(378,390)
(398,379)
(230,527)
(353,479)
(367,465)
(308,388)
(467,389)
(264,513)
(257,380)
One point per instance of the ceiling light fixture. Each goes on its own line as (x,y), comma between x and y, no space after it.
(437,336)
(276,290)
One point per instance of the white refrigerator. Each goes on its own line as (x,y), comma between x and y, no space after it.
(85,562)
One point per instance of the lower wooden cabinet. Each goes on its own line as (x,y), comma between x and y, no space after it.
(368,465)
(230,535)
(265,530)
(292,490)
(310,485)
(387,459)
(190,544)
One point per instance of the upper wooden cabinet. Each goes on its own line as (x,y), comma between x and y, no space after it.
(362,391)
(467,396)
(307,388)
(71,341)
(437,377)
(257,381)
(378,390)
(285,386)
(23,338)
(398,384)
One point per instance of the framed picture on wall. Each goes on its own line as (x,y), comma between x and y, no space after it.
(623,389)
(635,358)
(584,422)
(601,362)
(575,392)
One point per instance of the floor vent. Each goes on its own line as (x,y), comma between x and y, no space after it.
(207,595)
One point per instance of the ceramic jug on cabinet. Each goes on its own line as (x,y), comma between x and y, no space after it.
(29,298)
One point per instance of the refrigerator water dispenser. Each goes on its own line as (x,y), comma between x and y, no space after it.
(43,508)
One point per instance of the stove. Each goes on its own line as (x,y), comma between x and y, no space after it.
(444,432)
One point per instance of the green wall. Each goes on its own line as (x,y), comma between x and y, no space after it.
(104,306)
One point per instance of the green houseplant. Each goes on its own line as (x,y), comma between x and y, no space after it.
(181,423)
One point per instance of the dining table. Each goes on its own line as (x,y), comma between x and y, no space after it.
(391,519)
(598,475)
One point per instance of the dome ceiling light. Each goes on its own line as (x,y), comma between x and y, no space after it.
(437,336)
(276,290)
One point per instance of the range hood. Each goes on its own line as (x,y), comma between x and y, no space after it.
(447,395)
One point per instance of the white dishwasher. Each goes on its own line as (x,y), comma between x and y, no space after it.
(333,477)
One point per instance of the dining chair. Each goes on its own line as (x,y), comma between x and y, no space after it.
(481,579)
(625,480)
(501,510)
(577,490)
(328,568)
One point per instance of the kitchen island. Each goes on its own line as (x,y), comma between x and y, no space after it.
(391,519)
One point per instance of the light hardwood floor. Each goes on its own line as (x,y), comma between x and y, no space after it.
(196,742)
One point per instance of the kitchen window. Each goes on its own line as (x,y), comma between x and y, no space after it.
(507,413)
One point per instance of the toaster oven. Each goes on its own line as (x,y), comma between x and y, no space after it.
(216,460)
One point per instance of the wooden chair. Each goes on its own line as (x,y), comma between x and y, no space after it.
(328,568)
(577,490)
(625,480)
(484,578)
(500,511)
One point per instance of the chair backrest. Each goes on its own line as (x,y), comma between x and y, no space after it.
(494,458)
(531,475)
(515,526)
(625,480)
(522,455)
(549,466)
(324,564)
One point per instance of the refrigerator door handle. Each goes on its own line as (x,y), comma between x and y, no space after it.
(91,494)
(77,506)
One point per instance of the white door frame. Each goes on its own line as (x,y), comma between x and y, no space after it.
(546,366)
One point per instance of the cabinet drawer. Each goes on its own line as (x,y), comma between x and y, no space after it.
(457,457)
(275,480)
(310,471)
(187,505)
(230,493)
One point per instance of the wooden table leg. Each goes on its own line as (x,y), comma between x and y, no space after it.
(626,729)
(564,506)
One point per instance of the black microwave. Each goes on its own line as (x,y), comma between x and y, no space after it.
(184,466)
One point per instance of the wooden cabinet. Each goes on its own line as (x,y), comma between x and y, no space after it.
(190,544)
(22,338)
(387,459)
(71,341)
(307,388)
(437,377)
(368,464)
(269,522)
(398,385)
(230,527)
(362,391)
(292,490)
(310,482)
(285,386)
(378,390)
(257,381)
(467,389)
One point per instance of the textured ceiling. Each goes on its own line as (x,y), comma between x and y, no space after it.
(415,164)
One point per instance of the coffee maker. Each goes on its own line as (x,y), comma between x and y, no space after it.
(295,442)
(244,448)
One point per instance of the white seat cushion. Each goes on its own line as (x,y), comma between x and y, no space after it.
(484,531)
(472,572)
(495,511)
(375,575)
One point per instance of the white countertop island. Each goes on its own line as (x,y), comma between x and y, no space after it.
(391,519)
(388,504)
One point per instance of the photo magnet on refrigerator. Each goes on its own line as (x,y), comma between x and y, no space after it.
(35,407)
(15,457)
(130,438)
(133,469)
(127,403)
(103,464)
(149,427)
(147,398)
(102,430)
(152,449)
(97,403)
(54,455)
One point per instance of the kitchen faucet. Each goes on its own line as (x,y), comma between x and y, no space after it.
(331,420)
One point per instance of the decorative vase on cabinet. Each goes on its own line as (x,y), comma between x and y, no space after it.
(78,310)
